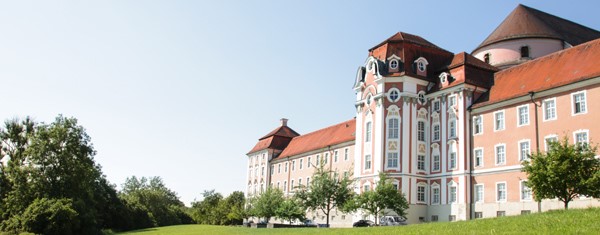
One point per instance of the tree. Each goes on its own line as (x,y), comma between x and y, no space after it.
(383,196)
(205,211)
(266,204)
(52,161)
(151,195)
(326,191)
(564,172)
(290,210)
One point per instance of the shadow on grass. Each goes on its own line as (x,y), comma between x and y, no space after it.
(140,231)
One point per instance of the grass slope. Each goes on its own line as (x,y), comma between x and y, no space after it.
(585,221)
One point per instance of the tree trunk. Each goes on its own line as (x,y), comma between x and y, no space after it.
(328,210)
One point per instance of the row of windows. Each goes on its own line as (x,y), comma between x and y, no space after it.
(578,106)
(257,160)
(393,159)
(309,162)
(502,192)
(524,148)
(293,186)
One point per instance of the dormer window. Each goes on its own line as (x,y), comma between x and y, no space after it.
(444,77)
(421,64)
(486,57)
(393,95)
(524,52)
(394,64)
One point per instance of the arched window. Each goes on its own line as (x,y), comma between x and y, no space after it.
(524,52)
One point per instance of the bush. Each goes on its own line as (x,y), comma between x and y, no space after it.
(50,216)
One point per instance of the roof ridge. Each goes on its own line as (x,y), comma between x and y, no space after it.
(325,128)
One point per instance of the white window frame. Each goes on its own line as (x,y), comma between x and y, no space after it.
(496,127)
(420,95)
(368,160)
(452,128)
(522,186)
(438,162)
(392,64)
(587,136)
(436,134)
(546,138)
(498,199)
(435,103)
(422,193)
(335,156)
(454,100)
(573,104)
(475,150)
(390,160)
(346,154)
(435,196)
(301,165)
(389,94)
(521,157)
(545,109)
(421,132)
(519,124)
(475,125)
(496,154)
(368,131)
(393,131)
(452,162)
(421,162)
(479,198)
(452,185)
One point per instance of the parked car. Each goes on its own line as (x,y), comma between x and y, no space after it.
(400,220)
(363,223)
(392,220)
(310,223)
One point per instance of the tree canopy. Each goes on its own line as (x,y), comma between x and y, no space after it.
(384,196)
(566,171)
(266,204)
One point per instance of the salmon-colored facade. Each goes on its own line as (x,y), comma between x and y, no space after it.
(449,129)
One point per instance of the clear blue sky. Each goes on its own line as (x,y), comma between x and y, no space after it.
(183,89)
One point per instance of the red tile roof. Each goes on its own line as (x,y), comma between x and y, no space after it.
(406,37)
(557,69)
(336,134)
(276,139)
(526,22)
(464,58)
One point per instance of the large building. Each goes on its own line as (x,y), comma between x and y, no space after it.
(451,129)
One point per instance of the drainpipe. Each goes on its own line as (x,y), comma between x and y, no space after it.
(537,134)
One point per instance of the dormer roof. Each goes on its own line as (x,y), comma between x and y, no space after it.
(406,37)
(526,22)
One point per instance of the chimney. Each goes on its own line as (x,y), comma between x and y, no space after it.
(284,122)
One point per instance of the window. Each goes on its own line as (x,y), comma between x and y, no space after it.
(421,131)
(523,115)
(393,95)
(524,150)
(436,196)
(392,161)
(299,182)
(436,106)
(500,213)
(436,132)
(444,77)
(366,187)
(421,162)
(451,101)
(579,106)
(421,98)
(434,218)
(301,164)
(272,169)
(293,165)
(549,109)
(285,186)
(292,185)
(286,167)
(278,168)
(421,193)
(524,52)
(367,162)
(486,57)
(278,185)
(262,171)
(478,193)
(499,120)
(452,160)
(452,194)
(318,160)
(501,192)
(368,132)
(500,154)
(436,162)
(393,128)
(478,152)
(308,163)
(452,217)
(548,140)
(346,154)
(581,137)
(478,215)
(525,192)
(326,158)
(307,181)
(477,125)
(452,128)
(394,64)
(335,156)
(525,212)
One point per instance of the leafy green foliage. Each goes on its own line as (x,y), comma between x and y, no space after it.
(266,204)
(327,191)
(161,206)
(52,161)
(564,172)
(51,216)
(290,210)
(216,210)
(383,196)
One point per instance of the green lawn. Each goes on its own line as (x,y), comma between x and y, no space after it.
(556,222)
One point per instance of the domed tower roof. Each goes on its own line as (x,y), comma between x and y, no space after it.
(526,22)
